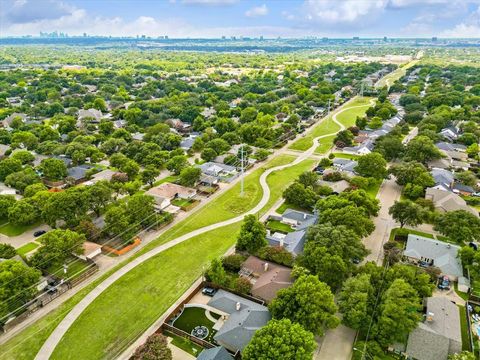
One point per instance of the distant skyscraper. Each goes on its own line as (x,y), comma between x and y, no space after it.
(434,38)
(356,38)
(384,38)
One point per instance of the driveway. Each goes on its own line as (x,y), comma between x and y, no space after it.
(336,344)
(22,239)
(388,193)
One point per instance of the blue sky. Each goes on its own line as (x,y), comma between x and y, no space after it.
(214,18)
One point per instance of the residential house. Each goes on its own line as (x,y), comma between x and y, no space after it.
(336,186)
(293,242)
(242,319)
(450,133)
(14,100)
(444,179)
(346,166)
(187,143)
(298,219)
(7,122)
(104,175)
(216,353)
(463,189)
(364,148)
(172,191)
(90,250)
(78,173)
(208,112)
(267,278)
(436,253)
(446,146)
(120,124)
(138,136)
(222,172)
(3,150)
(179,125)
(445,201)
(91,114)
(439,334)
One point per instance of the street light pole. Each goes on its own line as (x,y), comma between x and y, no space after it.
(241,179)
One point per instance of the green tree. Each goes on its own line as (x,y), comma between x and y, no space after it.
(21,179)
(141,209)
(208,154)
(99,195)
(53,169)
(406,212)
(150,174)
(177,163)
(301,196)
(7,251)
(9,166)
(24,156)
(459,225)
(22,213)
(308,302)
(117,221)
(355,301)
(391,147)
(252,235)
(32,189)
(57,247)
(280,339)
(354,218)
(16,284)
(190,176)
(6,202)
(328,266)
(216,273)
(464,355)
(372,165)
(308,178)
(399,313)
(154,348)
(421,149)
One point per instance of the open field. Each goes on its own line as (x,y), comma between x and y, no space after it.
(26,344)
(10,229)
(389,79)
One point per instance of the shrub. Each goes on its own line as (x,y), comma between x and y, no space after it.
(155,348)
(277,254)
(233,263)
(7,251)
(243,286)
(333,176)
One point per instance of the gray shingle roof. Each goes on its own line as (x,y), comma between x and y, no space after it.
(444,255)
(216,353)
(240,325)
(293,242)
(436,339)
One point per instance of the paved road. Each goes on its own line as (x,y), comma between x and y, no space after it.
(55,337)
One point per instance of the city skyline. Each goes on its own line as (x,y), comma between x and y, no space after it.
(217,18)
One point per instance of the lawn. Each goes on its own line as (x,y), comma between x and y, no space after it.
(325,144)
(184,344)
(346,156)
(192,317)
(389,79)
(139,297)
(373,188)
(75,267)
(282,208)
(464,328)
(170,179)
(420,233)
(129,306)
(275,225)
(10,229)
(25,249)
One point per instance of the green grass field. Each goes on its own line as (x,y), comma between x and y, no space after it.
(123,312)
(75,268)
(389,79)
(346,156)
(184,344)
(158,281)
(192,317)
(25,249)
(10,229)
(328,126)
(464,328)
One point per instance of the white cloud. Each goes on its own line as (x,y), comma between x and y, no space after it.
(462,31)
(338,12)
(257,11)
(209,2)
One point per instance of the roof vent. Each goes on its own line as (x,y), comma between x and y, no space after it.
(237,306)
(265,266)
(430,316)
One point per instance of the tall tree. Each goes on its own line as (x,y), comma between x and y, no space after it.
(372,165)
(252,235)
(308,302)
(280,339)
(399,313)
(155,348)
(459,225)
(356,301)
(406,212)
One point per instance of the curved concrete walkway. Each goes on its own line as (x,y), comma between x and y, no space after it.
(49,346)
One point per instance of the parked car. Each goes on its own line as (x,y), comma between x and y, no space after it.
(473,245)
(51,289)
(356,260)
(39,233)
(208,291)
(423,264)
(476,194)
(319,170)
(444,283)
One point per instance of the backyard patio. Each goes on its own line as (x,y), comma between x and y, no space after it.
(198,322)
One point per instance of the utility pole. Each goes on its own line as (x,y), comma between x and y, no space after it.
(241,179)
(328,111)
